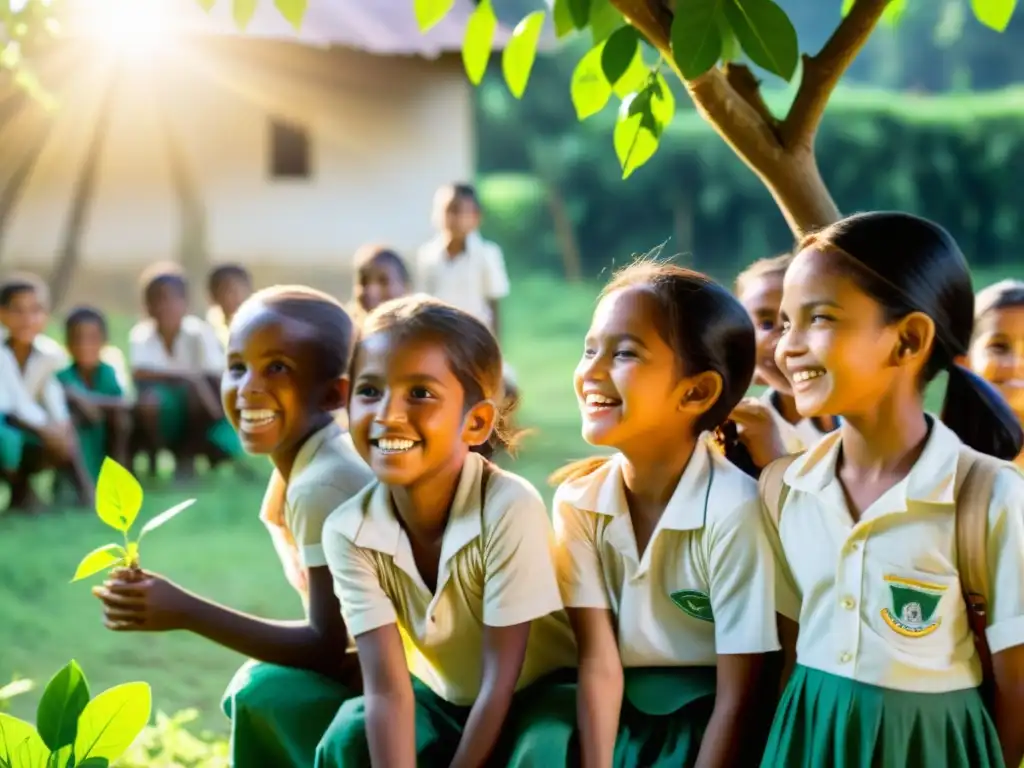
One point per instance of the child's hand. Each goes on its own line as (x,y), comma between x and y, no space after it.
(142,602)
(758,431)
(57,439)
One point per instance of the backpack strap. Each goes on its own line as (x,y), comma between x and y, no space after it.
(772,487)
(975,478)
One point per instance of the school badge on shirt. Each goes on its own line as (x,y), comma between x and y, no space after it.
(913,604)
(693,603)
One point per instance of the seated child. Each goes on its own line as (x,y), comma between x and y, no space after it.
(176,363)
(228,285)
(97,392)
(287,371)
(380,275)
(997,347)
(38,433)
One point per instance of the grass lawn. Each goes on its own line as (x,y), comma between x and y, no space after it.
(220,549)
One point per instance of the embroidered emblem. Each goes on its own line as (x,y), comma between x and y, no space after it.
(913,606)
(693,603)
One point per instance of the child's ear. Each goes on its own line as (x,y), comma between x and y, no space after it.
(337,393)
(479,423)
(915,334)
(700,392)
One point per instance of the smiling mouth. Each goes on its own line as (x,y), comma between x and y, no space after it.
(596,403)
(256,420)
(391,446)
(802,377)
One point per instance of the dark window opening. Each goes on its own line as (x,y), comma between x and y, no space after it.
(289,151)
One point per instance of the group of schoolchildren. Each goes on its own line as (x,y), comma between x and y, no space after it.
(669,609)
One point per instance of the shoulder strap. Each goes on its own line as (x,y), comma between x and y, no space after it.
(772,486)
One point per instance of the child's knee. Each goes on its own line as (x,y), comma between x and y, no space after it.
(345,743)
(121,423)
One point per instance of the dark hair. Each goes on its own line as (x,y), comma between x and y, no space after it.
(160,274)
(909,264)
(1005,294)
(463,191)
(18,284)
(81,315)
(774,266)
(319,311)
(471,350)
(371,254)
(222,273)
(706,327)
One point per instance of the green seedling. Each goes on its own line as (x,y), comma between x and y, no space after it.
(118,501)
(74,729)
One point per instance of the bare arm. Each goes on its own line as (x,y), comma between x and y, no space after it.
(1008,703)
(788,631)
(504,649)
(599,696)
(737,731)
(494,305)
(390,706)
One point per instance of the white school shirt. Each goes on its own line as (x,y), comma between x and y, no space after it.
(795,437)
(196,348)
(495,570)
(39,381)
(880,601)
(705,584)
(215,317)
(468,280)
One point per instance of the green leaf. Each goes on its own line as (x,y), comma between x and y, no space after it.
(63,701)
(589,88)
(562,15)
(605,18)
(293,11)
(847,5)
(635,76)
(663,103)
(207,5)
(100,559)
(766,35)
(243,11)
(12,733)
(618,53)
(579,12)
(429,12)
(894,12)
(112,721)
(31,753)
(477,43)
(177,509)
(730,45)
(521,51)
(636,136)
(696,41)
(118,493)
(994,13)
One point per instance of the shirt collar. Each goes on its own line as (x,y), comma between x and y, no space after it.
(312,445)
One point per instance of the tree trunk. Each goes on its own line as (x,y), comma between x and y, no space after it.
(20,173)
(565,232)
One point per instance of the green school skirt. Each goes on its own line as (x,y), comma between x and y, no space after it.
(825,719)
(278,714)
(536,733)
(12,446)
(92,438)
(174,420)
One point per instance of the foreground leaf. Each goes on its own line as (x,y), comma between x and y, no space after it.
(13,731)
(118,493)
(62,703)
(605,18)
(478,41)
(589,88)
(618,53)
(112,721)
(696,40)
(579,12)
(429,12)
(766,35)
(100,559)
(663,103)
(242,11)
(636,135)
(521,52)
(169,514)
(562,16)
(293,11)
(994,13)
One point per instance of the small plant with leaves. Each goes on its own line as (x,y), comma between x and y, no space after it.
(74,730)
(118,501)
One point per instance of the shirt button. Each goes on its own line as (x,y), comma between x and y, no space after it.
(849,603)
(853,546)
(844,657)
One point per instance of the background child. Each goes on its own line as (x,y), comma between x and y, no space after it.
(96,391)
(874,307)
(44,429)
(176,362)
(458,266)
(380,275)
(287,360)
(997,347)
(663,561)
(228,286)
(443,565)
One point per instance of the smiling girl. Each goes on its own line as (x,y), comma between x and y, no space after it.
(663,561)
(287,357)
(443,565)
(887,669)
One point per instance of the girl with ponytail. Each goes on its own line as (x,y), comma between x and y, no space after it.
(887,671)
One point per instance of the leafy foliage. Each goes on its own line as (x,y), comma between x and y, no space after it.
(118,502)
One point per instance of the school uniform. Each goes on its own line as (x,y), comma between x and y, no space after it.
(196,349)
(32,395)
(495,570)
(887,671)
(704,586)
(106,381)
(795,437)
(469,280)
(278,714)
(217,321)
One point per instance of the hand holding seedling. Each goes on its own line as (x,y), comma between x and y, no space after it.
(139,601)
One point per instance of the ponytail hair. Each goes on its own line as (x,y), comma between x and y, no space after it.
(909,264)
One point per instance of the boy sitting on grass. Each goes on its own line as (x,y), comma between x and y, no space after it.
(176,362)
(37,432)
(97,392)
(228,285)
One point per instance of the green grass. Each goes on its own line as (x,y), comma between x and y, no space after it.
(221,550)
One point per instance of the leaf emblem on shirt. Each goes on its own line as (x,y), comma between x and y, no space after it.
(912,606)
(694,603)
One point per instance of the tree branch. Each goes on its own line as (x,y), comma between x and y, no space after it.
(821,72)
(748,87)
